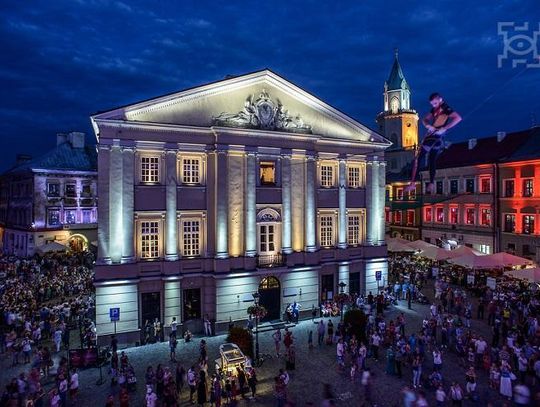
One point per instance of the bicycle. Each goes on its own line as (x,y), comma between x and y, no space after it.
(262,358)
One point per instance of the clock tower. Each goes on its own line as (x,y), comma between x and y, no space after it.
(398,122)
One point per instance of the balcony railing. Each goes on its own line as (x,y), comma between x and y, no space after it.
(270,260)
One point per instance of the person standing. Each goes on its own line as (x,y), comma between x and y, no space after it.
(321,329)
(276,336)
(440,396)
(375,342)
(174,327)
(366,384)
(207,325)
(456,394)
(202,390)
(180,373)
(73,386)
(173,343)
(192,382)
(437,360)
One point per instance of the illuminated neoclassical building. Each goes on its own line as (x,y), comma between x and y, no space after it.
(246,184)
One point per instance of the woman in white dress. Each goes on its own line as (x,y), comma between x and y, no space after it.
(505,387)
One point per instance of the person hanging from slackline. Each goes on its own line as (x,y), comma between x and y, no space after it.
(438,121)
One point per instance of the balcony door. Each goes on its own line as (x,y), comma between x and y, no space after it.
(268,237)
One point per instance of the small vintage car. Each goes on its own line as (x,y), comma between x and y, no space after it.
(231,357)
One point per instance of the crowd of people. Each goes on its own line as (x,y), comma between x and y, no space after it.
(41,299)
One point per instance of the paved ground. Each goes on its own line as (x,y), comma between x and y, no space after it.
(313,368)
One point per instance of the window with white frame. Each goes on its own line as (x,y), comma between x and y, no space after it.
(509,188)
(485,217)
(469,216)
(87,216)
(327,176)
(353,230)
(439,214)
(53,216)
(149,170)
(327,230)
(485,185)
(410,217)
(428,214)
(353,176)
(528,188)
(191,237)
(397,218)
(454,215)
(191,170)
(70,216)
(149,239)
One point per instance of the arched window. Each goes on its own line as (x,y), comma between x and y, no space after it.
(269,283)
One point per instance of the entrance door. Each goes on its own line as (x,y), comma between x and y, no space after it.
(150,307)
(270,298)
(327,287)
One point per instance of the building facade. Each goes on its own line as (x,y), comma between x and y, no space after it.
(52,198)
(464,209)
(243,185)
(519,186)
(403,212)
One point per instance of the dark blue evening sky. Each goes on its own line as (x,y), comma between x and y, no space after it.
(61,61)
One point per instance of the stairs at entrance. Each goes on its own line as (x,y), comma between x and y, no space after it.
(273,325)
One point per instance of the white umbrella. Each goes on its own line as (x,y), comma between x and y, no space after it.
(475,262)
(525,274)
(509,260)
(395,245)
(52,247)
(463,250)
(435,253)
(420,245)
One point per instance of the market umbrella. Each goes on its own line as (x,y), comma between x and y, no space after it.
(473,261)
(525,274)
(509,260)
(463,250)
(420,245)
(435,253)
(396,245)
(52,247)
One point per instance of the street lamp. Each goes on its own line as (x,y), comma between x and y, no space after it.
(342,286)
(256,297)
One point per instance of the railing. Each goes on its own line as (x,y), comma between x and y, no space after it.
(270,260)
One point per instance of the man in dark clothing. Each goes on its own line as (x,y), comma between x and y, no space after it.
(438,121)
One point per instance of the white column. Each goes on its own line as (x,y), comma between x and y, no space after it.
(251,204)
(103,186)
(342,233)
(310,209)
(171,226)
(372,203)
(115,205)
(381,201)
(128,169)
(286,224)
(222,203)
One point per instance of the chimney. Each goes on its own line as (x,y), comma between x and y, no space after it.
(61,138)
(472,143)
(22,158)
(500,136)
(76,139)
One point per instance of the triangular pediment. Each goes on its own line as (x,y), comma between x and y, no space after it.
(262,100)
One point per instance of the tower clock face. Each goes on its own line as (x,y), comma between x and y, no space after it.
(394,105)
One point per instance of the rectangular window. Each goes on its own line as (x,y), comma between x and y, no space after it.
(388,215)
(53,217)
(428,214)
(86,190)
(87,216)
(426,189)
(149,239)
(439,214)
(509,188)
(528,188)
(327,235)
(509,223)
(453,186)
(399,194)
(71,190)
(267,237)
(469,185)
(485,217)
(469,216)
(454,215)
(327,176)
(485,248)
(528,224)
(485,185)
(439,187)
(70,216)
(412,195)
(150,170)
(410,217)
(191,171)
(53,189)
(353,229)
(192,304)
(397,217)
(353,176)
(191,238)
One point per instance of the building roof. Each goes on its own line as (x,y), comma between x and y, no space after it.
(530,149)
(62,157)
(396,80)
(487,150)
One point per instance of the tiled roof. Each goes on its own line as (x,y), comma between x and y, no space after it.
(530,149)
(62,157)
(487,150)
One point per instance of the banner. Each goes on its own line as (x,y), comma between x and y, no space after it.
(491,282)
(470,279)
